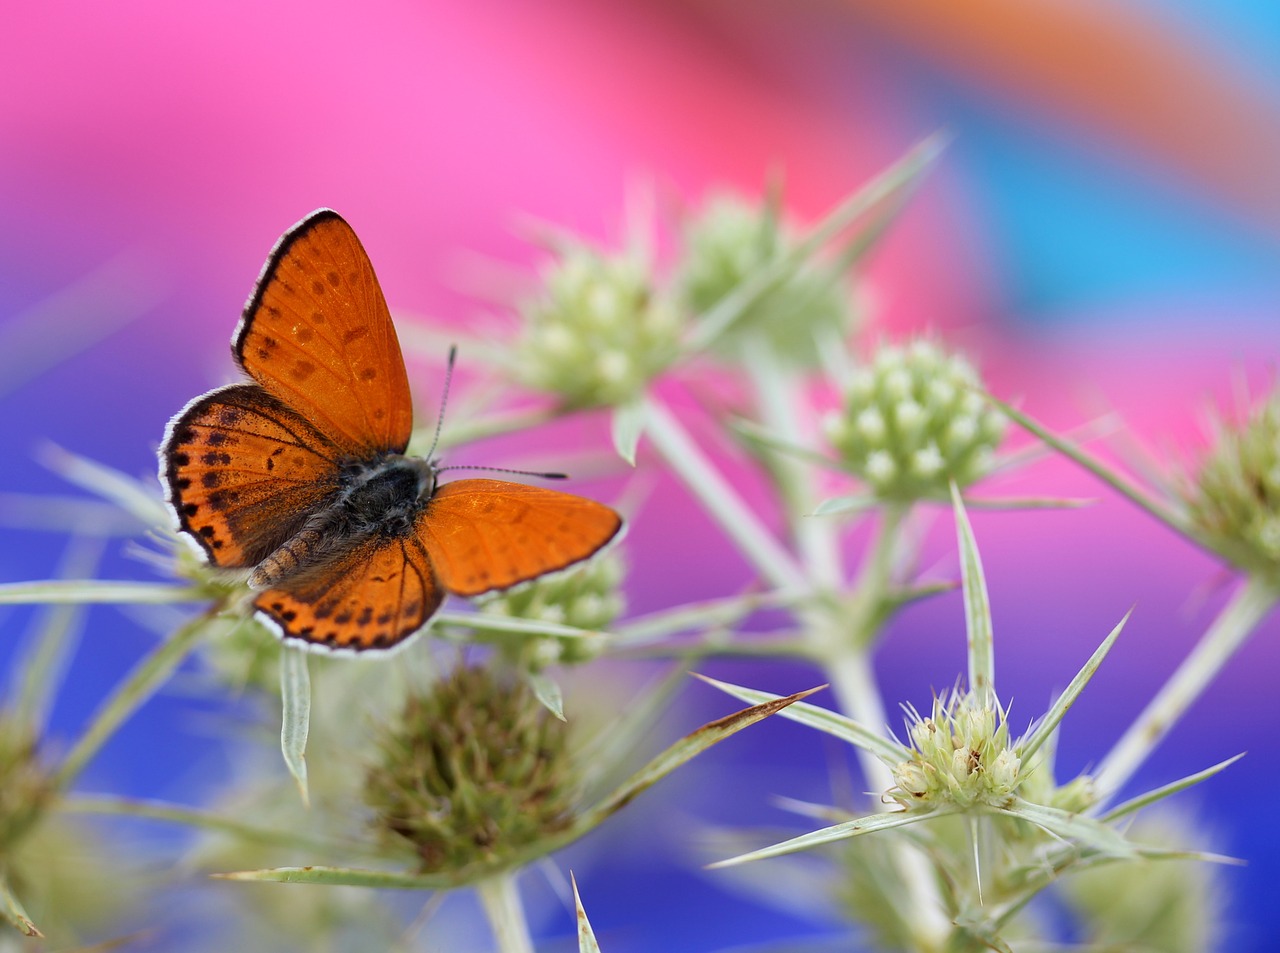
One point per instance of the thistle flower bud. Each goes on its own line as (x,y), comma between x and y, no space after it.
(1153,903)
(586,597)
(69,879)
(729,242)
(24,788)
(962,755)
(911,423)
(1236,499)
(474,770)
(597,332)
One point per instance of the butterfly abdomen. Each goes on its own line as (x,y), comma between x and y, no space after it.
(296,554)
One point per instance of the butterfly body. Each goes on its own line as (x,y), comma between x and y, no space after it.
(380,498)
(300,476)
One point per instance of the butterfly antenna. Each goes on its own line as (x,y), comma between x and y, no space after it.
(528,473)
(444,399)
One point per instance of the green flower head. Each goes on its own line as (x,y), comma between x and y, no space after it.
(473,770)
(913,421)
(24,787)
(1153,903)
(585,597)
(962,756)
(597,332)
(731,240)
(1235,501)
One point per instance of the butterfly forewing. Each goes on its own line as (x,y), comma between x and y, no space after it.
(317,334)
(483,535)
(242,472)
(374,597)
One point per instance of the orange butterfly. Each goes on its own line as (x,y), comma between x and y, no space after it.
(301,475)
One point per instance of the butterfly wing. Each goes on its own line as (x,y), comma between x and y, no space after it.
(317,334)
(242,472)
(374,597)
(483,535)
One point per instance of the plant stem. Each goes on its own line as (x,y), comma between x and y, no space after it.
(201,819)
(501,899)
(143,682)
(36,682)
(868,592)
(1225,636)
(858,696)
(847,662)
(780,399)
(721,500)
(853,681)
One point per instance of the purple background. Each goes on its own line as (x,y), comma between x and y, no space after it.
(1101,234)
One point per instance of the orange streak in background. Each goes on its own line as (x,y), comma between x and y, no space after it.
(1128,78)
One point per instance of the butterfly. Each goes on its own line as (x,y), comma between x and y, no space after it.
(301,476)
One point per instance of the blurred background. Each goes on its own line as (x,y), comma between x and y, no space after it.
(1102,234)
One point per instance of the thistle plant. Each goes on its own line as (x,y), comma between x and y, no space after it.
(1225,509)
(477,755)
(587,598)
(1234,500)
(912,422)
(598,331)
(472,769)
(59,875)
(730,240)
(961,764)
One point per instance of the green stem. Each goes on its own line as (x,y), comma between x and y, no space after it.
(38,680)
(871,590)
(780,400)
(143,682)
(501,899)
(722,501)
(854,683)
(204,820)
(97,591)
(1223,639)
(848,666)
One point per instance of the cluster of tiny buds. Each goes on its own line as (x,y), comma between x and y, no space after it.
(597,331)
(473,770)
(24,787)
(1236,499)
(730,241)
(913,420)
(961,755)
(586,597)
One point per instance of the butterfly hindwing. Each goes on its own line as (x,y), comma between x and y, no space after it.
(483,535)
(242,472)
(373,597)
(317,334)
